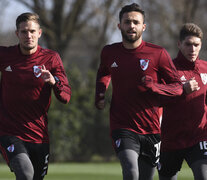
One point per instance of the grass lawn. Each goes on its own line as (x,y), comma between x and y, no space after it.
(87,171)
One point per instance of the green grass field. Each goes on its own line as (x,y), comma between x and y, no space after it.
(87,171)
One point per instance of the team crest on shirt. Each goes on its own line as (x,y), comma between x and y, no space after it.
(183,79)
(204,78)
(37,71)
(11,148)
(144,63)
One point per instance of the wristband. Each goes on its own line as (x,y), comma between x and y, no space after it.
(57,80)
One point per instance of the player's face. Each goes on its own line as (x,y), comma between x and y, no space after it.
(190,47)
(28,34)
(131,26)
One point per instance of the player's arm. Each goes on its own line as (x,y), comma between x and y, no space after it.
(168,72)
(103,79)
(58,80)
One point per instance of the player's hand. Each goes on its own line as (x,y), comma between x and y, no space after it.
(147,81)
(191,86)
(100,104)
(47,76)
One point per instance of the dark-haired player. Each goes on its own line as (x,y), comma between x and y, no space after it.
(184,123)
(135,68)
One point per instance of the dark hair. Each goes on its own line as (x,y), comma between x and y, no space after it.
(190,29)
(130,8)
(27,17)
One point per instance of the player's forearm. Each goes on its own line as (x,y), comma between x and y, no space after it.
(62,92)
(172,89)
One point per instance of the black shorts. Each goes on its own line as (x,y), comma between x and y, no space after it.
(147,146)
(38,153)
(171,162)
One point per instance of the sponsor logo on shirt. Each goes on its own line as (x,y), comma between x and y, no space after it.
(144,63)
(11,148)
(8,68)
(118,143)
(37,71)
(114,65)
(204,78)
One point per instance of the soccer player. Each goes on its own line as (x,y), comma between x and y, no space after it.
(28,75)
(184,123)
(135,68)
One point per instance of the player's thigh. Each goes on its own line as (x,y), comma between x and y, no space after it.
(22,167)
(127,148)
(150,148)
(39,155)
(199,169)
(125,139)
(146,169)
(169,164)
(197,160)
(15,153)
(10,146)
(149,155)
(129,163)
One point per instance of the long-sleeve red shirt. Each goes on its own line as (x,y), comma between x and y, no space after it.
(184,122)
(25,98)
(134,106)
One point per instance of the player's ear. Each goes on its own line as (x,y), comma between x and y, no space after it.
(40,32)
(144,27)
(118,25)
(16,32)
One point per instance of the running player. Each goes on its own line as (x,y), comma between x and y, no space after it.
(28,75)
(184,123)
(135,68)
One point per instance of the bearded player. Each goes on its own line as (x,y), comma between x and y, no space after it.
(135,68)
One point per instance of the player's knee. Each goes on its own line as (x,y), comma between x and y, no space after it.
(25,175)
(166,175)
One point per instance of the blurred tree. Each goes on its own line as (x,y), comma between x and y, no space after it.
(165,18)
(78,131)
(62,20)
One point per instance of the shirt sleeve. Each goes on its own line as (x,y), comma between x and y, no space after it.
(167,72)
(103,77)
(61,88)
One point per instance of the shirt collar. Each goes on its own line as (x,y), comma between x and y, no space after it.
(185,62)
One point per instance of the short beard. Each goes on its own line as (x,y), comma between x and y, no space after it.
(130,40)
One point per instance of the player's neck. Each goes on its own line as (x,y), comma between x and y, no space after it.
(28,51)
(134,45)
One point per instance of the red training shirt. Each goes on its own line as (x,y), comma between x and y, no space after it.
(134,105)
(25,98)
(184,122)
